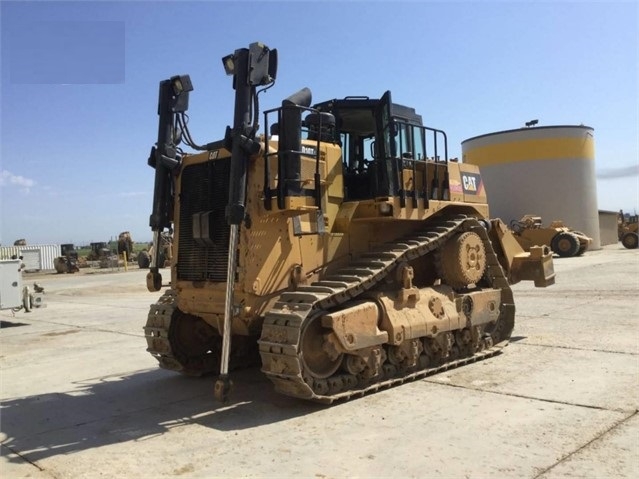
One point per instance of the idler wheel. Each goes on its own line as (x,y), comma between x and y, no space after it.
(319,364)
(195,344)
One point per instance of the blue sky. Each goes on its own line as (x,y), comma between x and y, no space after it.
(79,87)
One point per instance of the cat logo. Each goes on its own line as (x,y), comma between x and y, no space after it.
(471,183)
(214,154)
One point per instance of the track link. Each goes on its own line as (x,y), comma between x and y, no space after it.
(280,343)
(166,332)
(156,332)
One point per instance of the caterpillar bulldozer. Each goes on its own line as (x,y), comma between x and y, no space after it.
(99,251)
(343,251)
(561,239)
(67,262)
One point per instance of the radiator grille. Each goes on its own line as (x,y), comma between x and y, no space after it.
(205,187)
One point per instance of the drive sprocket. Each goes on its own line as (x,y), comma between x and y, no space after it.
(463,260)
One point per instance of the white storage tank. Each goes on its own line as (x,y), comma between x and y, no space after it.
(547,171)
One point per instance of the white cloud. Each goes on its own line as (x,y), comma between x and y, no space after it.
(621,172)
(9,179)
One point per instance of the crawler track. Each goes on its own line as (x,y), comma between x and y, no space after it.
(280,344)
(187,344)
(156,331)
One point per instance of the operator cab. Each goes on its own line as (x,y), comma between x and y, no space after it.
(380,140)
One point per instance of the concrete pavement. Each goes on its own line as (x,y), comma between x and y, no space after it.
(82,398)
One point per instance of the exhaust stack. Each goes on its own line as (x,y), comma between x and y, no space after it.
(290,143)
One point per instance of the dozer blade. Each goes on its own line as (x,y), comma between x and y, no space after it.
(536,265)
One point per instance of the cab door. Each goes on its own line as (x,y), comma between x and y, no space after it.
(386,166)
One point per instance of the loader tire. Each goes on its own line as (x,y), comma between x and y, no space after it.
(565,244)
(630,240)
(144,260)
(582,248)
(27,300)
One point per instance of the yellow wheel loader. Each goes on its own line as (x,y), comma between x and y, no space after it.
(339,248)
(627,230)
(529,231)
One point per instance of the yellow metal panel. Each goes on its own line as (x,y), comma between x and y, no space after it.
(529,150)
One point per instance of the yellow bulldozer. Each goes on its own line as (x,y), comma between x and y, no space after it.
(627,230)
(342,250)
(68,261)
(530,231)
